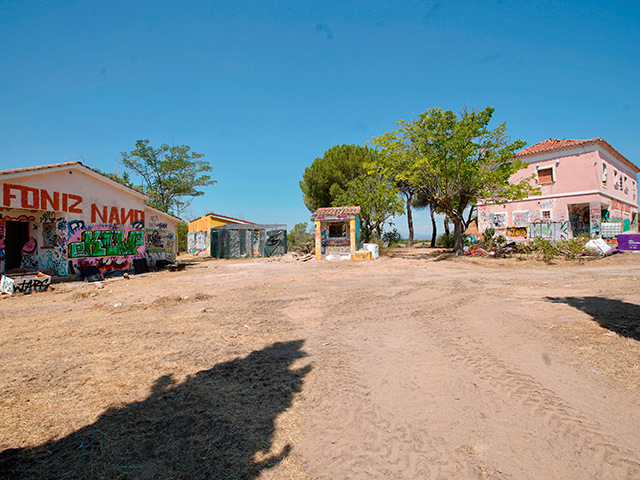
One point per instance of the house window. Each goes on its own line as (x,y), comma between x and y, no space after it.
(520,219)
(338,230)
(615,179)
(604,175)
(545,175)
(498,220)
(546,214)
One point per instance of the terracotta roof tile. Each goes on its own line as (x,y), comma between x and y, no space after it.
(336,212)
(40,167)
(562,144)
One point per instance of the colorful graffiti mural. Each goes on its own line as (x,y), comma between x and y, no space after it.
(595,214)
(2,243)
(517,231)
(198,242)
(107,247)
(107,243)
(579,219)
(29,255)
(53,253)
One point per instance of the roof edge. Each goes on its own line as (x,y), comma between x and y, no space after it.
(577,145)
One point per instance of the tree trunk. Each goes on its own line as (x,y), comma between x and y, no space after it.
(457,235)
(434,228)
(468,221)
(446,226)
(409,221)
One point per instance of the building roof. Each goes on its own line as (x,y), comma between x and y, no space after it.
(336,212)
(40,167)
(224,217)
(92,171)
(562,144)
(19,172)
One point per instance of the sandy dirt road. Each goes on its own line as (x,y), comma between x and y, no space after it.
(411,367)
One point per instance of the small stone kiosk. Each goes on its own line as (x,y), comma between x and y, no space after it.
(338,234)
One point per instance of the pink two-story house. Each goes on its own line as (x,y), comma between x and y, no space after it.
(586,187)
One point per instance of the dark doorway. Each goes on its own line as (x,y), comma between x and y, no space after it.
(16,235)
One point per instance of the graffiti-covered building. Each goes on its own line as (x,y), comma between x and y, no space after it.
(337,231)
(199,236)
(63,217)
(586,187)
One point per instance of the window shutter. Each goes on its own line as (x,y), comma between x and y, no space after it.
(545,175)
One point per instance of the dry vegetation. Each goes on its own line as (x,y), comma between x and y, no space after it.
(202,373)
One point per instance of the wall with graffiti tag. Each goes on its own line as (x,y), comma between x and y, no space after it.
(159,245)
(198,242)
(69,216)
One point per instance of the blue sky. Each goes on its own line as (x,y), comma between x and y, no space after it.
(263,88)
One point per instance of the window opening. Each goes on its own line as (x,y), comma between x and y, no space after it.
(545,175)
(16,236)
(338,230)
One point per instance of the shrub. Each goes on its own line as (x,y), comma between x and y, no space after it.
(487,236)
(392,237)
(574,247)
(446,240)
(546,248)
(300,240)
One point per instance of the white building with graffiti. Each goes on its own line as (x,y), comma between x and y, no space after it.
(63,217)
(586,187)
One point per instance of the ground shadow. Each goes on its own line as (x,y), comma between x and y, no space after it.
(615,315)
(208,427)
(437,254)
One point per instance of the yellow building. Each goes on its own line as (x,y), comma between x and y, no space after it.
(198,239)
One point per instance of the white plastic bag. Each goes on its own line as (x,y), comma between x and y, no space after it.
(598,246)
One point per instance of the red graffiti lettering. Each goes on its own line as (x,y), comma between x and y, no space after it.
(41,199)
(46,198)
(95,212)
(73,208)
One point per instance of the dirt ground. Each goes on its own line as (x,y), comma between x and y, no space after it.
(414,366)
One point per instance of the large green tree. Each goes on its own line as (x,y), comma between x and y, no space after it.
(378,199)
(329,175)
(170,175)
(459,161)
(395,161)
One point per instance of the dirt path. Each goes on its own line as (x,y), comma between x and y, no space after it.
(407,367)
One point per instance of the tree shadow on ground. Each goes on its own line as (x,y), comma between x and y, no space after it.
(211,426)
(421,253)
(615,315)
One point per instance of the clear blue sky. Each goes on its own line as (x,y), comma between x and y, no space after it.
(263,88)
